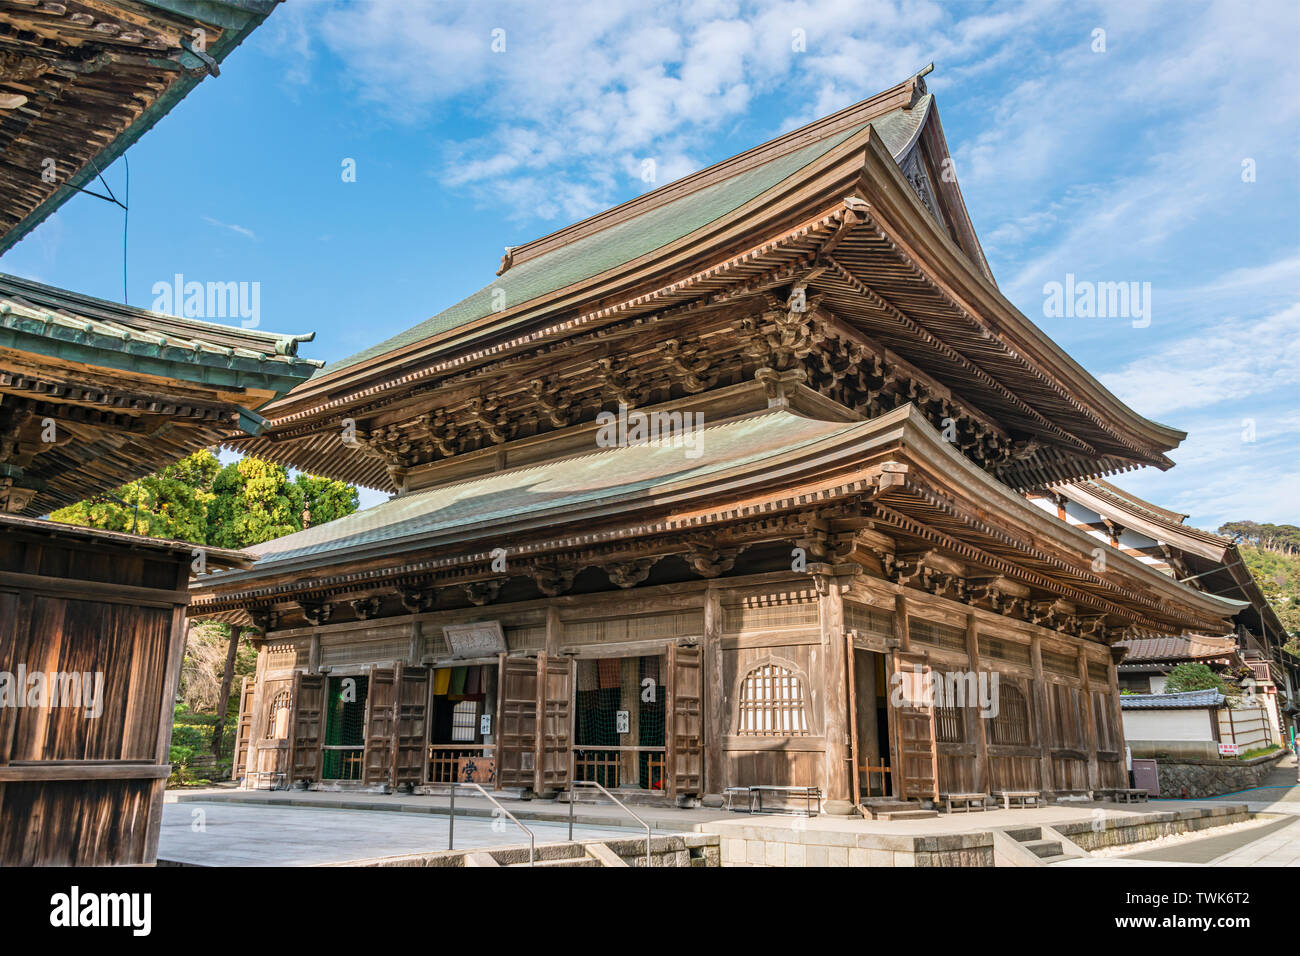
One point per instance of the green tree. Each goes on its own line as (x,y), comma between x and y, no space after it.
(1191,676)
(197,500)
(254,502)
(171,503)
(324,499)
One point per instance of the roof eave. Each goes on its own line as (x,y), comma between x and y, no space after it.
(243,16)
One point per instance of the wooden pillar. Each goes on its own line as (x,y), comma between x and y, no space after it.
(1090,731)
(715,695)
(855,745)
(903,635)
(835,708)
(1042,715)
(313,654)
(630,700)
(1112,672)
(554,631)
(415,653)
(983,778)
(174,654)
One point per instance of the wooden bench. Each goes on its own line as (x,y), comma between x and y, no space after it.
(732,792)
(1125,795)
(1012,799)
(964,802)
(812,797)
(277,778)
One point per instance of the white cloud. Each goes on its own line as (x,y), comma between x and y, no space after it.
(238,230)
(1222,361)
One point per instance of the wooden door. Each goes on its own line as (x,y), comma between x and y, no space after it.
(411,729)
(684,721)
(381,701)
(913,715)
(243,728)
(308,727)
(555,685)
(516,737)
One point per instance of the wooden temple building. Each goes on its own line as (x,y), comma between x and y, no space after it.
(728,485)
(1205,561)
(94,394)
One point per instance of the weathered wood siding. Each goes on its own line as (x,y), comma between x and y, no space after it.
(78,789)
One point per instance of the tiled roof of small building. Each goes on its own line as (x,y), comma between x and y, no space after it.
(1187,700)
(1184,647)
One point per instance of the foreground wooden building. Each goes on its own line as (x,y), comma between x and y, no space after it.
(94,394)
(707,491)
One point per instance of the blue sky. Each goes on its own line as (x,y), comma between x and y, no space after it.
(1122,164)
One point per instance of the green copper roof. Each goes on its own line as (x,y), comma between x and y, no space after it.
(43,320)
(546,492)
(629,240)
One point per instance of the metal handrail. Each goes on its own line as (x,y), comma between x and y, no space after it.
(451,823)
(593,783)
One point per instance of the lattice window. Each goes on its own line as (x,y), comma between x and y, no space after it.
(277,717)
(772,703)
(950,725)
(936,634)
(464,722)
(1011,724)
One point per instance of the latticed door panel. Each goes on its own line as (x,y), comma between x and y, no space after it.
(516,722)
(685,720)
(412,726)
(918,775)
(377,761)
(243,729)
(555,722)
(308,726)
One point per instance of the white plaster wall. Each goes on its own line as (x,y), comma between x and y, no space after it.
(1168,725)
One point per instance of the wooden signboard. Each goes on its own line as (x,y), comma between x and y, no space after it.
(480,770)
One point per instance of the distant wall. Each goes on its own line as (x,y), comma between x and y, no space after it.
(1210,778)
(1190,724)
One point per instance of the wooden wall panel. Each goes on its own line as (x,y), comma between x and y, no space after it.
(75,822)
(78,789)
(127,645)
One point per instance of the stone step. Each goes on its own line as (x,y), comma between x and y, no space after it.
(547,852)
(585,861)
(1043,848)
(873,808)
(913,814)
(1054,859)
(1024,834)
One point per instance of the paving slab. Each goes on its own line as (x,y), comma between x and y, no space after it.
(232,834)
